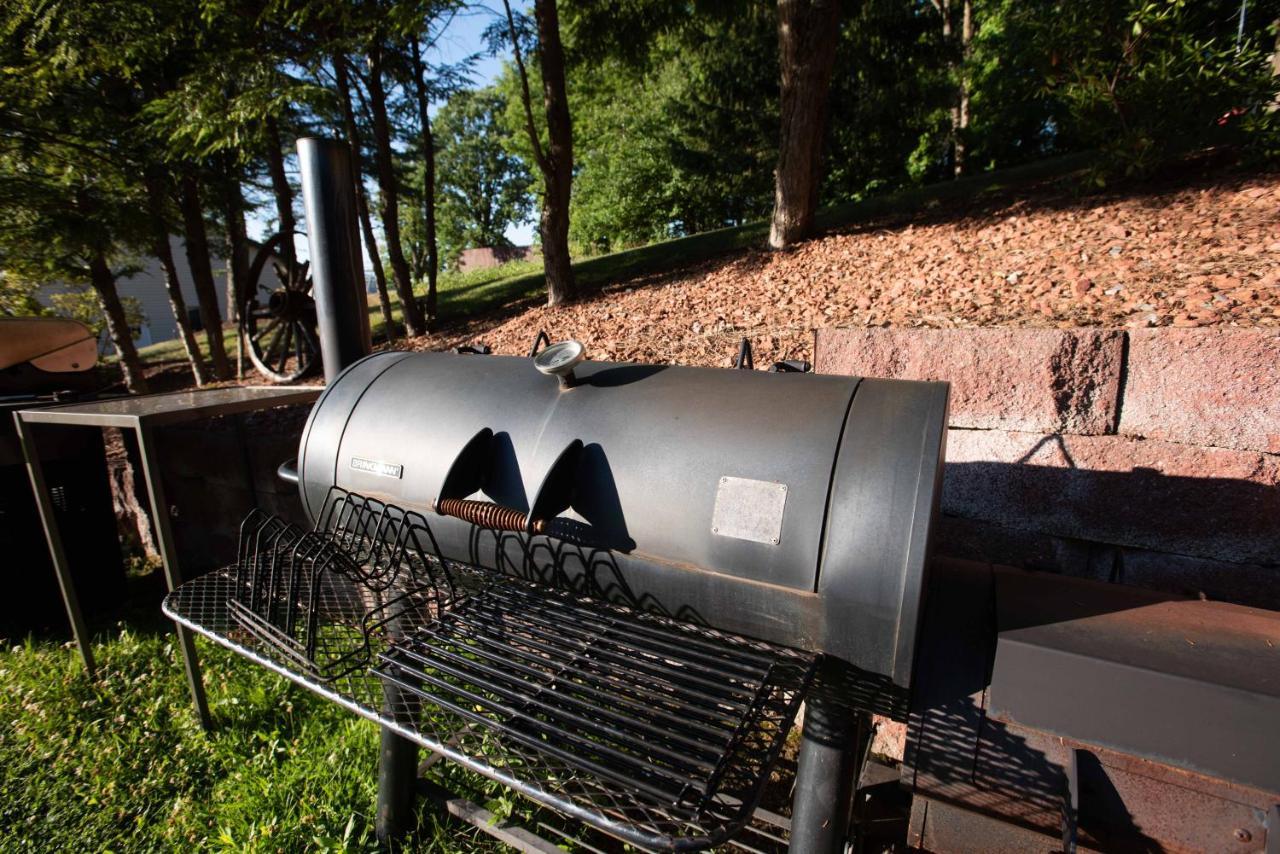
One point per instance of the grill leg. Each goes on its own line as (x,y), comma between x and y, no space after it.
(834,742)
(397,762)
(397,780)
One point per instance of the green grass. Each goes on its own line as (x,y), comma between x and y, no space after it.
(173,351)
(121,764)
(459,295)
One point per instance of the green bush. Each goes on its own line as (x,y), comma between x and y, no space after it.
(1139,80)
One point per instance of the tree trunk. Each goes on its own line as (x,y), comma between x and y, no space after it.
(238,285)
(104,284)
(389,196)
(807,33)
(362,203)
(172,285)
(962,83)
(202,273)
(1275,64)
(428,180)
(281,190)
(555,209)
(556,163)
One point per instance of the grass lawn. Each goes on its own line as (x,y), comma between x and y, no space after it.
(122,765)
(460,295)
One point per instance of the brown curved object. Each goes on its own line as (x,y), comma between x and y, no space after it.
(485,514)
(52,344)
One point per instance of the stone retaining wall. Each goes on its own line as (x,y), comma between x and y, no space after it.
(1148,457)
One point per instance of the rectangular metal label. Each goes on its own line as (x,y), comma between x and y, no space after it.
(749,510)
(377,467)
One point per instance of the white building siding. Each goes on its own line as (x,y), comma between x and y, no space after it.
(147,287)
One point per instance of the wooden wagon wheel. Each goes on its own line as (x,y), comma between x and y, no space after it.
(279,326)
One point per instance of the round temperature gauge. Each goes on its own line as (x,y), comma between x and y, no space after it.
(559,359)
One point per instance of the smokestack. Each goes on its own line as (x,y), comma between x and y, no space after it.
(342,307)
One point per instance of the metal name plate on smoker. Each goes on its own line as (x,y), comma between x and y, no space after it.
(377,467)
(749,510)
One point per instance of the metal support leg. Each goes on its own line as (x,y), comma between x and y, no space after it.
(147,451)
(397,784)
(48,516)
(831,753)
(397,759)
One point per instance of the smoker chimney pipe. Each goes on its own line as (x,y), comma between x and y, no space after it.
(342,309)
(342,314)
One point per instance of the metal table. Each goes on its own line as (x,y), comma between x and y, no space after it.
(142,415)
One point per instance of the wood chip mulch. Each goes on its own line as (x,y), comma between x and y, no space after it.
(1201,255)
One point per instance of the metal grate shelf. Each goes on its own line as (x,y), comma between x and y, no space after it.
(658,732)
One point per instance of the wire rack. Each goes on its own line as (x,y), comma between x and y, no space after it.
(659,732)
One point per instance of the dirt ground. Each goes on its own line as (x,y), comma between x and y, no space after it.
(1191,250)
(1200,255)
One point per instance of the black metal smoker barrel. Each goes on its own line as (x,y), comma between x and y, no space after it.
(342,309)
(342,314)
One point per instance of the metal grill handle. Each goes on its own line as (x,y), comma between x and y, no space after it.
(485,514)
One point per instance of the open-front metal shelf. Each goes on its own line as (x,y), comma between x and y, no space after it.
(656,731)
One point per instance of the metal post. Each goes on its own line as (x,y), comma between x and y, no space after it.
(397,784)
(342,314)
(148,454)
(835,740)
(397,759)
(342,306)
(48,516)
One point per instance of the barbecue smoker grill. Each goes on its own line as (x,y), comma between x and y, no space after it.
(610,592)
(608,586)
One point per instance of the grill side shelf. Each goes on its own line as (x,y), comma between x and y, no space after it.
(658,732)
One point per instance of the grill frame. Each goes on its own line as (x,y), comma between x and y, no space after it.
(744,691)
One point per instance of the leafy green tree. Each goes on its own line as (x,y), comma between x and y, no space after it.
(1139,77)
(82,304)
(887,128)
(676,118)
(65,224)
(72,211)
(484,189)
(18,298)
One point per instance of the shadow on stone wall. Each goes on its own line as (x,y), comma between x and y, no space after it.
(1217,536)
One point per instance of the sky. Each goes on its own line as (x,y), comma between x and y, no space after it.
(463,37)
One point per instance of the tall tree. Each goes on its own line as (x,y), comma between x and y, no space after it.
(958,52)
(103,281)
(388,189)
(807,35)
(282,192)
(342,80)
(484,188)
(556,160)
(157,203)
(428,173)
(962,87)
(236,236)
(197,247)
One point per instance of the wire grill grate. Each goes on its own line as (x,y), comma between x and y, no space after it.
(659,732)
